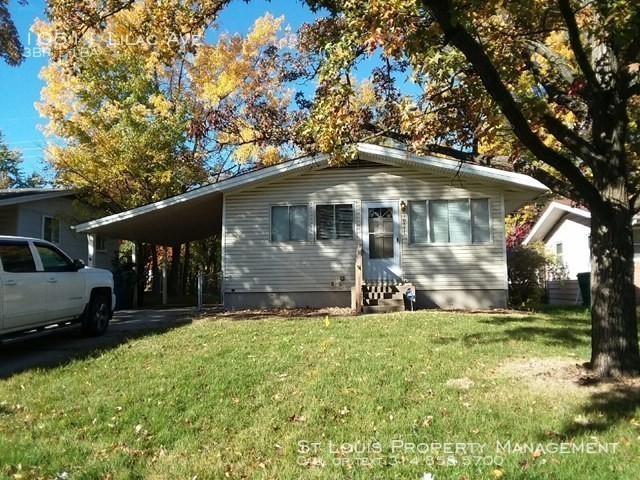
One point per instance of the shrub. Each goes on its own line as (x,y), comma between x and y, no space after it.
(528,266)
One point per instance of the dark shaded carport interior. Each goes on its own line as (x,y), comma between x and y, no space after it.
(166,223)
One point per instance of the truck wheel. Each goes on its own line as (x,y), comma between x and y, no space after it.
(97,319)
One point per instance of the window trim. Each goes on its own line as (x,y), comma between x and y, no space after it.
(289,205)
(353,222)
(428,228)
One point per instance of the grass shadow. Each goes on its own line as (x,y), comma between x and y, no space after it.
(605,408)
(568,327)
(61,347)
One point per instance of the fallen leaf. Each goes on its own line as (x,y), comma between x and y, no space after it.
(497,473)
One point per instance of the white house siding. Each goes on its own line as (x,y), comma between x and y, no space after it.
(260,272)
(574,237)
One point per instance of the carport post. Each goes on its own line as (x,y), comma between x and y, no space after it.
(91,249)
(200,290)
(164,276)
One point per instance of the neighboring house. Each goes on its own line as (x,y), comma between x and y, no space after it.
(565,230)
(290,231)
(47,213)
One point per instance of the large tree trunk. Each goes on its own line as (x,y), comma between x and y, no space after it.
(614,336)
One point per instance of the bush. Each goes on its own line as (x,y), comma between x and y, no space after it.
(526,268)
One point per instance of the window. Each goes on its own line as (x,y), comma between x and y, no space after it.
(334,222)
(636,242)
(380,233)
(54,260)
(450,221)
(559,253)
(289,223)
(51,229)
(16,258)
(101,245)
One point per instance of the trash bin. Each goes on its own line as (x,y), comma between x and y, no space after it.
(584,282)
(124,284)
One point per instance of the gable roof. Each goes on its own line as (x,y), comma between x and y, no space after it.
(179,219)
(13,196)
(560,210)
(557,211)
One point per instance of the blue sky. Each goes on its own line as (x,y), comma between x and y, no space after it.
(20,86)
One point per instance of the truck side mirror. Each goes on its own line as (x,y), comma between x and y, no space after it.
(79,264)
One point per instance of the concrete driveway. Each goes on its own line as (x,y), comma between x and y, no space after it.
(65,345)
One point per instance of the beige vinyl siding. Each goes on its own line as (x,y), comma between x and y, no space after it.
(254,264)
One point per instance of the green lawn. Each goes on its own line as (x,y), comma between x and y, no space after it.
(369,397)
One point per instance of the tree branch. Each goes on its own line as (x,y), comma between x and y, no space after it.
(574,142)
(554,183)
(457,154)
(576,44)
(554,92)
(495,87)
(554,59)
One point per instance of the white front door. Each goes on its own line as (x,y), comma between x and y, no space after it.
(381,241)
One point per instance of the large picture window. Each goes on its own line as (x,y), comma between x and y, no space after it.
(334,222)
(450,221)
(289,223)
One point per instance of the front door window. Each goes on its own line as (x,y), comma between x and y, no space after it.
(381,241)
(381,233)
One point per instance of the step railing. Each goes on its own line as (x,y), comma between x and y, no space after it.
(356,294)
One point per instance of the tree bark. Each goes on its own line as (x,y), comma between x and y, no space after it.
(614,335)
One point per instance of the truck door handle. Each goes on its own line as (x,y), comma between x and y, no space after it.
(52,280)
(10,282)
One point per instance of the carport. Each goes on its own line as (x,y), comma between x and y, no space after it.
(188,217)
(191,216)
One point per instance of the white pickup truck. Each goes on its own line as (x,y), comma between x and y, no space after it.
(40,286)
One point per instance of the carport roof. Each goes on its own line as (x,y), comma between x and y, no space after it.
(198,214)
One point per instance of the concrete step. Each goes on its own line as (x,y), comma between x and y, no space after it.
(382,308)
(380,288)
(383,295)
(384,301)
